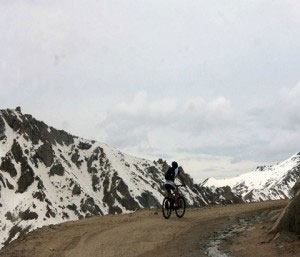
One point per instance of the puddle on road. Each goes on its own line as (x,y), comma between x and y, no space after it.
(242,226)
(213,248)
(214,251)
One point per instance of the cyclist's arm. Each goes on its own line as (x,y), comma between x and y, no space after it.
(181,177)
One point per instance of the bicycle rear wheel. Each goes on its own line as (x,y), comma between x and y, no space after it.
(180,210)
(166,208)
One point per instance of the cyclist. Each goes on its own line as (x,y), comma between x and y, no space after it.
(173,172)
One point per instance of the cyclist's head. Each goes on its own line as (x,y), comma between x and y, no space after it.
(174,165)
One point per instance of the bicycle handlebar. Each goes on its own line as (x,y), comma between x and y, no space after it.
(180,185)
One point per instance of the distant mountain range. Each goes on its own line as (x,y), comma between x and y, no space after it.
(48,176)
(264,183)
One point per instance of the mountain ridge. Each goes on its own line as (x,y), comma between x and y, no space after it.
(270,182)
(48,176)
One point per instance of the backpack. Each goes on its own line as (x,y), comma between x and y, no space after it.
(170,174)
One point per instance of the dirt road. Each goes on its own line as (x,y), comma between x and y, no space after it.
(144,233)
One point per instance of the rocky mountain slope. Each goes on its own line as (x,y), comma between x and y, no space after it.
(48,176)
(289,220)
(264,183)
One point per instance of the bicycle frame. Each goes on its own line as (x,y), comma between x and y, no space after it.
(171,199)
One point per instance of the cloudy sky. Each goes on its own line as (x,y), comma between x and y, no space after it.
(212,84)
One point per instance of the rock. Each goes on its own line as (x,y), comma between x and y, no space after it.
(72,207)
(10,186)
(39,195)
(2,129)
(229,196)
(46,154)
(26,178)
(94,157)
(90,206)
(57,169)
(50,212)
(9,216)
(11,119)
(95,182)
(16,231)
(117,188)
(289,220)
(76,190)
(147,200)
(28,215)
(2,181)
(295,188)
(17,151)
(8,166)
(84,146)
(62,137)
(75,157)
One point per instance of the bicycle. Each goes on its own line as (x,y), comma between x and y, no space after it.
(168,205)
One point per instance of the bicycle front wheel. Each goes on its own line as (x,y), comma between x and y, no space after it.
(166,208)
(180,210)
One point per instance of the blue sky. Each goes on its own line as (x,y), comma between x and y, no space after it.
(212,84)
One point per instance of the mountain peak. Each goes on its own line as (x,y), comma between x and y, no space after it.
(18,109)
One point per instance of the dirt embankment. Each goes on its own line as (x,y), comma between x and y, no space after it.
(144,233)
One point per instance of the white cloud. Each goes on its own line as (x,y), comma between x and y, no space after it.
(131,123)
(198,115)
(144,110)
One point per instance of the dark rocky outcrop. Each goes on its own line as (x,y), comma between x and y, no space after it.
(2,181)
(16,230)
(17,152)
(57,169)
(35,130)
(75,157)
(89,206)
(84,146)
(40,195)
(26,178)
(289,219)
(295,188)
(2,130)
(28,215)
(10,216)
(10,186)
(8,166)
(118,185)
(76,190)
(62,137)
(147,200)
(95,182)
(50,212)
(45,154)
(11,119)
(228,196)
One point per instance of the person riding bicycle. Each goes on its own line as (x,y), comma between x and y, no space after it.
(173,172)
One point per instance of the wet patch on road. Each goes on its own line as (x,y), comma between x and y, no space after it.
(215,247)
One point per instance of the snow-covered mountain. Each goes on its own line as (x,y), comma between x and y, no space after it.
(48,176)
(265,182)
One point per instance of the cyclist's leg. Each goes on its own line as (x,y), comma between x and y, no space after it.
(176,196)
(168,190)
